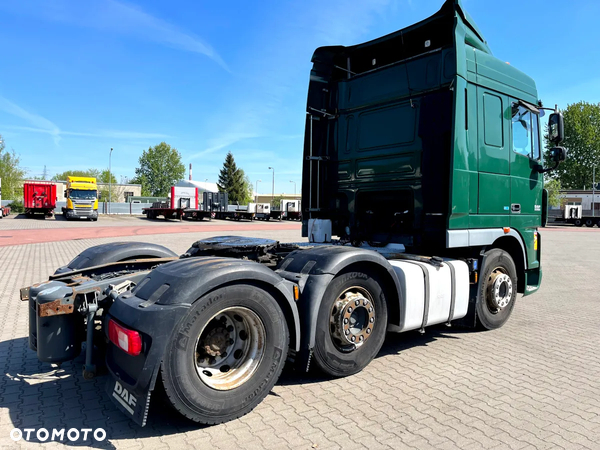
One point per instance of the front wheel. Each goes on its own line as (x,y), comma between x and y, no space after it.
(351,323)
(497,291)
(226,355)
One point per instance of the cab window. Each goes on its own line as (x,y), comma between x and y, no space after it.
(525,132)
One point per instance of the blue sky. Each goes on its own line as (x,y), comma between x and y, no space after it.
(80,77)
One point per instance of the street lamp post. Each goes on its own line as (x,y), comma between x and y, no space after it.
(273,188)
(294,187)
(256,190)
(109,179)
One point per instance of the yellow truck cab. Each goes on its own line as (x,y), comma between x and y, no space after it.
(82,198)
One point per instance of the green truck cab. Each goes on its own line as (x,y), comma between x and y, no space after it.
(424,138)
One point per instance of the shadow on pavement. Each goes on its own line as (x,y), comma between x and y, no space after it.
(40,396)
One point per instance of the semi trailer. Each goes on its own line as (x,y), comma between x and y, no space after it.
(39,197)
(422,194)
(182,202)
(575,215)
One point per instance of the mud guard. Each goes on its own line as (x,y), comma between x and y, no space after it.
(157,305)
(314,269)
(114,252)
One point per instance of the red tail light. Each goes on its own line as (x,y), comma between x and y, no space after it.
(127,340)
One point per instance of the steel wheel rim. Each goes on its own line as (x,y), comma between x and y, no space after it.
(352,318)
(229,348)
(499,290)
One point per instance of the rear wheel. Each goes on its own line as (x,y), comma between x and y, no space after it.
(227,354)
(578,222)
(351,324)
(497,290)
(598,223)
(589,223)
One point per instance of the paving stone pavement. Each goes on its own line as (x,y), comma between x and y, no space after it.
(533,384)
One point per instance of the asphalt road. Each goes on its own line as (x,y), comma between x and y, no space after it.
(535,383)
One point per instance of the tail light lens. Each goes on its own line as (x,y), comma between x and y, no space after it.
(127,340)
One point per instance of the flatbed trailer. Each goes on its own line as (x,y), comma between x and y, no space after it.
(176,213)
(234,215)
(417,231)
(588,221)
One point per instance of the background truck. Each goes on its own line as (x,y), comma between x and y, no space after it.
(39,197)
(574,214)
(4,210)
(182,202)
(428,176)
(291,209)
(82,198)
(262,211)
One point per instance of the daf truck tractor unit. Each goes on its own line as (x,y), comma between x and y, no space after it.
(82,198)
(422,195)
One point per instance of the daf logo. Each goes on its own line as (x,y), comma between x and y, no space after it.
(124,397)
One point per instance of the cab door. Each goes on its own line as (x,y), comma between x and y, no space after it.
(526,181)
(493,152)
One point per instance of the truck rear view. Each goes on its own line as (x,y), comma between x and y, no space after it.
(419,140)
(39,197)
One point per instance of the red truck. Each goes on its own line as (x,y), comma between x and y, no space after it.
(39,197)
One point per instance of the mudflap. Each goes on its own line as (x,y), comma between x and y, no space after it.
(133,378)
(133,401)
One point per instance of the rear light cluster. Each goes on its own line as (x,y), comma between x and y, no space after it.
(127,340)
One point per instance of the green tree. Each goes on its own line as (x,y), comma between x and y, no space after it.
(160,168)
(103,189)
(235,182)
(553,187)
(140,179)
(582,141)
(62,176)
(11,172)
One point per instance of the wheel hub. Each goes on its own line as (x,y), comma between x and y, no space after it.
(500,290)
(352,318)
(216,341)
(230,348)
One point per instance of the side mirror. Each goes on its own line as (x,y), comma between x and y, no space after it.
(556,128)
(558,154)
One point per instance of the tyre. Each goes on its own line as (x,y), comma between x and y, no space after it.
(589,223)
(226,355)
(497,291)
(351,324)
(598,223)
(578,222)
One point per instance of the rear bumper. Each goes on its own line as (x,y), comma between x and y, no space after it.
(132,378)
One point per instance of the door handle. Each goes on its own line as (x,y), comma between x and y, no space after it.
(515,207)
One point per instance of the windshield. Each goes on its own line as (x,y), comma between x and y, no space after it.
(80,194)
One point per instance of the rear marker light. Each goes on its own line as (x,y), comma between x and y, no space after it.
(127,340)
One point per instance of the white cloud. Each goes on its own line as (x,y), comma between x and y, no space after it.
(117,17)
(39,123)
